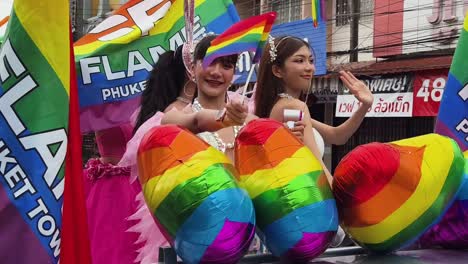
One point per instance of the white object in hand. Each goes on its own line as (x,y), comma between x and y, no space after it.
(292,115)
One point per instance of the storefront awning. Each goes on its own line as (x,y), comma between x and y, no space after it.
(393,66)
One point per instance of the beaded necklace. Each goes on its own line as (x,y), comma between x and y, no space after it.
(222,146)
(285,95)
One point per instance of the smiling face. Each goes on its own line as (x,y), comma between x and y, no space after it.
(214,80)
(289,71)
(297,70)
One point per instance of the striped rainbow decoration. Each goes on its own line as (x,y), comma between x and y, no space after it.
(118,54)
(452,231)
(318,11)
(296,212)
(389,194)
(190,188)
(42,205)
(452,119)
(270,20)
(247,35)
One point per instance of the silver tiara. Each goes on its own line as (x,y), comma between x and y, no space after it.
(274,48)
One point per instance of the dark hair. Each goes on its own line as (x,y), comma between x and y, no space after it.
(268,85)
(200,52)
(165,82)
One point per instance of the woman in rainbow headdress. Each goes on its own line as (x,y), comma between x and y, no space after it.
(171,88)
(189,187)
(212,115)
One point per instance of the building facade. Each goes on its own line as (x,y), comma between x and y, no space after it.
(410,40)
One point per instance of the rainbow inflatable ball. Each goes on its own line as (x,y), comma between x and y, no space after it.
(296,213)
(191,190)
(452,231)
(389,194)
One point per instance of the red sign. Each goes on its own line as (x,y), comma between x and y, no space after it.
(428,88)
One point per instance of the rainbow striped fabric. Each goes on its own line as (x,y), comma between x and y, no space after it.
(452,119)
(113,61)
(296,213)
(40,143)
(191,189)
(247,35)
(388,195)
(452,230)
(318,11)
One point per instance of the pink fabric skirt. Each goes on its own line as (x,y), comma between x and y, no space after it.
(110,200)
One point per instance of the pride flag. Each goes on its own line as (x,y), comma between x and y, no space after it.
(270,20)
(113,61)
(247,35)
(318,11)
(452,120)
(40,139)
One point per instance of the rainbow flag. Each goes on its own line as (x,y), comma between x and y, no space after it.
(113,60)
(452,120)
(247,35)
(318,11)
(40,139)
(270,20)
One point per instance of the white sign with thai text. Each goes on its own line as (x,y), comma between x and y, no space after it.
(385,105)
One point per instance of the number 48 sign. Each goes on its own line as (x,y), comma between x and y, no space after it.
(432,90)
(428,89)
